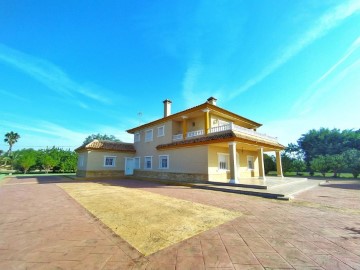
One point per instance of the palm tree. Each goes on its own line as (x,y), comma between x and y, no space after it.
(11,138)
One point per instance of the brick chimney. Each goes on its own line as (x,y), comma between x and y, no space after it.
(167,107)
(212,100)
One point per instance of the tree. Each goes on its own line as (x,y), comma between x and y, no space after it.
(11,138)
(286,162)
(68,161)
(352,159)
(27,159)
(298,165)
(269,163)
(101,137)
(324,142)
(336,163)
(48,159)
(320,164)
(294,151)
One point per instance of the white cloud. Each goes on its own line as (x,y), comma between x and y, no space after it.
(49,74)
(12,95)
(314,92)
(340,111)
(321,27)
(190,93)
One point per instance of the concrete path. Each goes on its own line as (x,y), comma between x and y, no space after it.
(41,227)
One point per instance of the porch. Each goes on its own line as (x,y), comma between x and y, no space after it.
(241,162)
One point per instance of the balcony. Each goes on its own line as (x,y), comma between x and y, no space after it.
(231,126)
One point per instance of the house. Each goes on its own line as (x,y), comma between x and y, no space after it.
(202,143)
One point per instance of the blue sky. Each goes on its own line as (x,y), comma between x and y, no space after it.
(72,68)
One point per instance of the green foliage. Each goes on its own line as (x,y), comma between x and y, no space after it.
(320,164)
(324,164)
(55,159)
(48,158)
(324,142)
(294,151)
(101,137)
(11,138)
(269,163)
(68,161)
(352,159)
(298,165)
(286,162)
(336,163)
(27,159)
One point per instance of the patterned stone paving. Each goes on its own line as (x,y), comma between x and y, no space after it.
(41,227)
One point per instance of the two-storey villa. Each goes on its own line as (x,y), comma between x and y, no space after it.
(203,143)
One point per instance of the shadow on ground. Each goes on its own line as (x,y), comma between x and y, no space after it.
(350,185)
(106,182)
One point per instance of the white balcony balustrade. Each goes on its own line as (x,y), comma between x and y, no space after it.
(230,126)
(177,137)
(195,133)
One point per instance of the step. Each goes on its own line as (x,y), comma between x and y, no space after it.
(240,190)
(238,185)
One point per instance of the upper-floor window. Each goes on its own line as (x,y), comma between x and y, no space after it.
(137,137)
(250,162)
(149,135)
(164,162)
(148,163)
(109,161)
(223,161)
(161,131)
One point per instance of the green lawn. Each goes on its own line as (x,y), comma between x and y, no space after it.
(43,174)
(306,174)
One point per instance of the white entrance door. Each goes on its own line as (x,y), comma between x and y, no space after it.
(129,166)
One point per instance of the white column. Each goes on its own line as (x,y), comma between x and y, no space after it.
(233,167)
(261,163)
(278,164)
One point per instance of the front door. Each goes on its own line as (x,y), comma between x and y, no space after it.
(129,166)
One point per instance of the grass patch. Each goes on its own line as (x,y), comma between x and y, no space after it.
(316,175)
(44,174)
(147,221)
(2,176)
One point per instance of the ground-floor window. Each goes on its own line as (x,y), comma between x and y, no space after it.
(137,163)
(223,161)
(148,163)
(164,162)
(109,161)
(250,162)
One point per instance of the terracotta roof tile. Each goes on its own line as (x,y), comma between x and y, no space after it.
(108,145)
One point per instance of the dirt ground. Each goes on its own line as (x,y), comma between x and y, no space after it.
(148,221)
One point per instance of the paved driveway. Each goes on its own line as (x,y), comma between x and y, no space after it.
(42,227)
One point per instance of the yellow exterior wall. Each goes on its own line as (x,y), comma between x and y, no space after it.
(198,121)
(177,128)
(241,159)
(84,155)
(214,120)
(181,160)
(188,160)
(95,160)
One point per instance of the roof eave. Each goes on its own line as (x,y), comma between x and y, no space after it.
(199,107)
